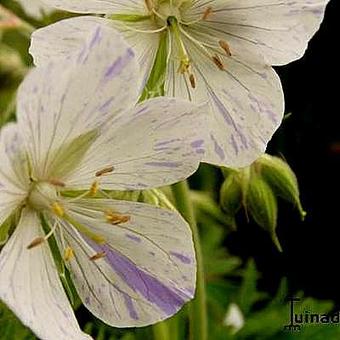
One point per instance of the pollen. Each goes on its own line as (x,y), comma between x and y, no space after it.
(192,81)
(68,254)
(104,171)
(36,242)
(94,188)
(218,62)
(58,209)
(98,256)
(225,46)
(115,218)
(207,13)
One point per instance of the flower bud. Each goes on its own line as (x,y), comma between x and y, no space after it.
(231,195)
(261,204)
(282,180)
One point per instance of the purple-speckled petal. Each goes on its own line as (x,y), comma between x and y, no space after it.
(149,270)
(31,287)
(80,91)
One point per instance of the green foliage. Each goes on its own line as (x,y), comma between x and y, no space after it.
(11,327)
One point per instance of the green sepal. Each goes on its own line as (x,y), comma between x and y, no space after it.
(128,17)
(262,206)
(156,82)
(281,178)
(231,195)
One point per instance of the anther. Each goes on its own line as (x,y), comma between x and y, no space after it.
(207,13)
(58,209)
(192,81)
(105,171)
(56,182)
(218,62)
(98,256)
(36,242)
(68,254)
(225,46)
(94,188)
(116,218)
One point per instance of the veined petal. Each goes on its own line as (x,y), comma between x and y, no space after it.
(148,271)
(30,285)
(159,142)
(63,38)
(14,178)
(246,104)
(279,29)
(98,6)
(67,36)
(67,99)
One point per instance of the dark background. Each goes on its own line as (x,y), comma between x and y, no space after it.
(310,141)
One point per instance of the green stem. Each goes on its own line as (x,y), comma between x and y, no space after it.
(161,331)
(197,308)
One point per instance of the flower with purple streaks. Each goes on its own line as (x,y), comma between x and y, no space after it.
(218,51)
(80,135)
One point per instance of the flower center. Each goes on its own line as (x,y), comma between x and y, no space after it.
(42,195)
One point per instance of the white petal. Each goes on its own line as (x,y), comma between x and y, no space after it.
(149,271)
(246,104)
(280,30)
(66,36)
(63,38)
(60,101)
(14,179)
(35,8)
(30,285)
(99,6)
(159,142)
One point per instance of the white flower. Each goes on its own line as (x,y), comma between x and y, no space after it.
(79,132)
(35,8)
(218,50)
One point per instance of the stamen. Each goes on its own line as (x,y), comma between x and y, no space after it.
(36,242)
(218,62)
(98,256)
(192,81)
(40,240)
(94,188)
(115,218)
(104,171)
(184,57)
(207,13)
(58,209)
(225,46)
(57,182)
(68,254)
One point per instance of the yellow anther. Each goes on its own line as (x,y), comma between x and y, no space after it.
(225,46)
(218,62)
(36,242)
(68,254)
(94,188)
(58,209)
(207,13)
(192,81)
(98,256)
(56,182)
(115,218)
(104,171)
